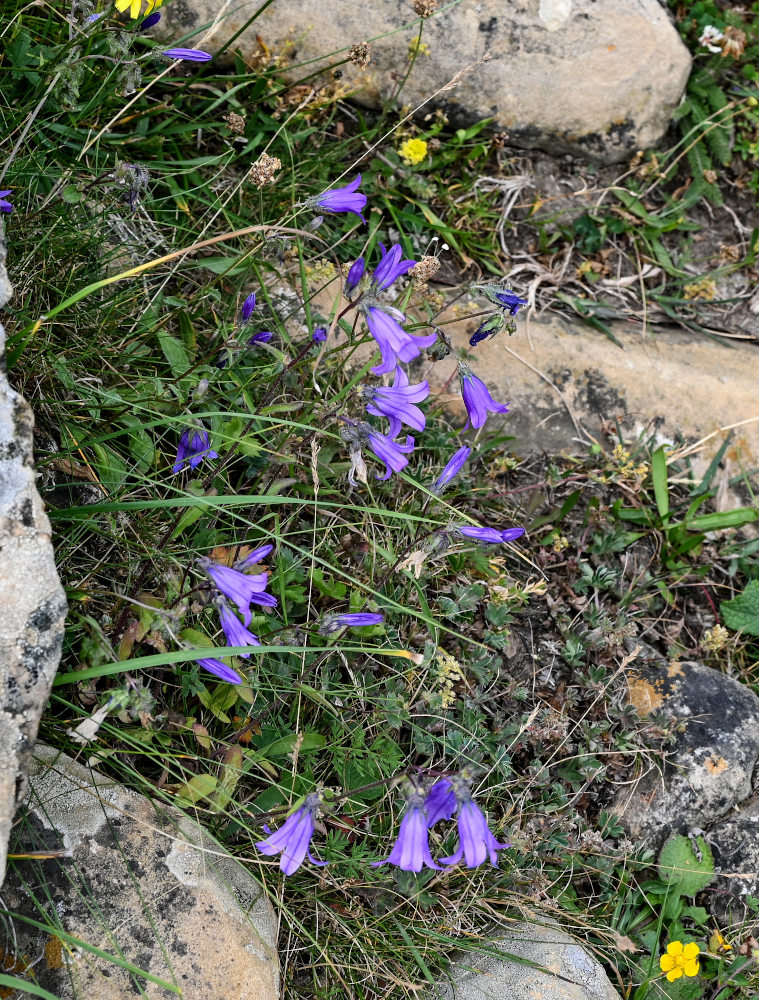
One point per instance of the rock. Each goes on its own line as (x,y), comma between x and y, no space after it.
(735,844)
(709,769)
(596,78)
(31,597)
(145,883)
(572,973)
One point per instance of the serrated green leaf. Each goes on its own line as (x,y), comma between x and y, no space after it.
(742,612)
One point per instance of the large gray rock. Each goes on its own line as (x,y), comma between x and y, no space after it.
(598,78)
(144,883)
(31,597)
(735,845)
(571,972)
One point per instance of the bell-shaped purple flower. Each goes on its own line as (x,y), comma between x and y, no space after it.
(476,842)
(491,535)
(488,328)
(193,448)
(5,205)
(390,267)
(255,556)
(191,55)
(355,274)
(510,301)
(319,335)
(344,199)
(235,632)
(392,453)
(411,852)
(440,802)
(394,342)
(452,469)
(292,840)
(357,619)
(214,666)
(260,338)
(247,307)
(477,399)
(241,588)
(396,402)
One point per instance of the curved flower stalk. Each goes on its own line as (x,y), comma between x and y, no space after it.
(241,588)
(293,839)
(477,399)
(344,199)
(411,852)
(234,631)
(396,402)
(219,669)
(193,448)
(453,467)
(491,536)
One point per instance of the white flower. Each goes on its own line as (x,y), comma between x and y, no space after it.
(709,36)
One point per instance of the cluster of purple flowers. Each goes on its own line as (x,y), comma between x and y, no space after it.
(411,852)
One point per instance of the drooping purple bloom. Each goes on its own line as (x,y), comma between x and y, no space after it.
(255,556)
(390,267)
(510,301)
(476,842)
(214,666)
(394,342)
(191,55)
(452,469)
(344,199)
(193,448)
(440,802)
(235,632)
(490,535)
(357,619)
(355,274)
(5,205)
(247,307)
(392,453)
(411,852)
(396,402)
(477,399)
(241,588)
(260,338)
(151,20)
(488,328)
(319,335)
(293,838)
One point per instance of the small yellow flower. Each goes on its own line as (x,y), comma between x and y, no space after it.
(418,48)
(680,960)
(135,6)
(413,151)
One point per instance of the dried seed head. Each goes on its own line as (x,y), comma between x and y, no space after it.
(360,55)
(264,169)
(426,8)
(734,42)
(423,270)
(236,122)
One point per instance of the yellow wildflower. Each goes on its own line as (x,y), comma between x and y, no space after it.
(680,960)
(413,151)
(135,6)
(418,48)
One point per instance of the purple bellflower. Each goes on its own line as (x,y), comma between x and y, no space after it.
(440,802)
(488,328)
(510,301)
(191,55)
(319,335)
(355,274)
(214,666)
(394,342)
(477,399)
(5,205)
(411,852)
(292,840)
(344,199)
(358,619)
(452,469)
(476,842)
(193,448)
(151,20)
(396,402)
(235,632)
(247,307)
(490,535)
(260,338)
(241,588)
(392,453)
(390,267)
(255,556)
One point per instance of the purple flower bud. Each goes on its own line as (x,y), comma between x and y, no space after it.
(490,535)
(390,267)
(344,199)
(5,206)
(93,17)
(397,402)
(452,469)
(440,802)
(191,55)
(193,448)
(214,666)
(510,301)
(477,399)
(151,20)
(488,328)
(358,619)
(355,274)
(319,335)
(260,338)
(292,840)
(235,632)
(247,307)
(255,557)
(411,852)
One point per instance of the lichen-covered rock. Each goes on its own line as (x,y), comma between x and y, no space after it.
(143,883)
(571,972)
(735,845)
(31,597)
(598,78)
(710,767)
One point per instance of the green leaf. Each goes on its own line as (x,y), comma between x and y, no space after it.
(659,478)
(71,195)
(742,612)
(200,786)
(680,867)
(174,352)
(726,519)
